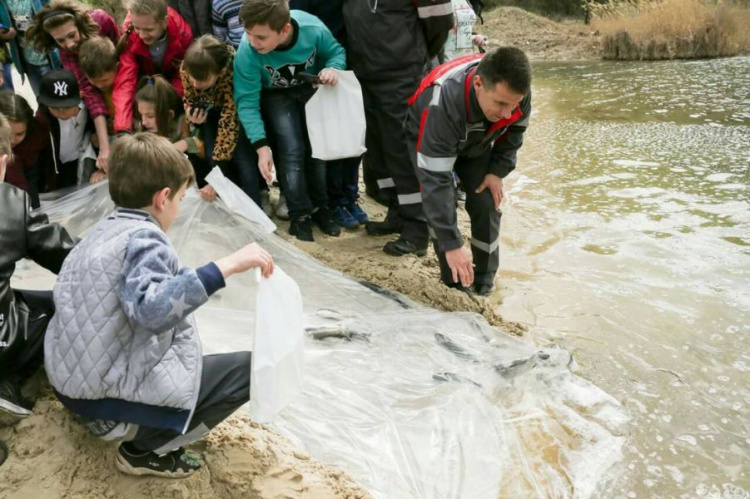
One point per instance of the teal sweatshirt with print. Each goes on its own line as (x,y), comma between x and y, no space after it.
(312,49)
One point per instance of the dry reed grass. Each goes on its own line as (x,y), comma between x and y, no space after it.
(666,29)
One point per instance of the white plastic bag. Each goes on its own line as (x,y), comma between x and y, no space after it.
(336,119)
(237,201)
(278,347)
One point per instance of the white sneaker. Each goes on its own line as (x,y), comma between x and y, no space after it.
(265,203)
(282,211)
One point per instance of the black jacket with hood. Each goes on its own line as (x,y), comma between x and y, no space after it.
(395,38)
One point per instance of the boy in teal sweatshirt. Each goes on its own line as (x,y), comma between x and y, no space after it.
(279,56)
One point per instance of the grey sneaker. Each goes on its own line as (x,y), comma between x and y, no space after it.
(282,211)
(11,408)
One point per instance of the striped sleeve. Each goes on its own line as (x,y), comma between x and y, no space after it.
(436,17)
(219,21)
(220,28)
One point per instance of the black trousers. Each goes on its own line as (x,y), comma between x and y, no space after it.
(388,156)
(26,354)
(67,174)
(485,222)
(225,386)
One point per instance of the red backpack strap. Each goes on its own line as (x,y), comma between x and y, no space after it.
(441,71)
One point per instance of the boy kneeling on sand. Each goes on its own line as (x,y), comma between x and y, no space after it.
(123,350)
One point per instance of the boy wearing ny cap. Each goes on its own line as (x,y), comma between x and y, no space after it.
(60,106)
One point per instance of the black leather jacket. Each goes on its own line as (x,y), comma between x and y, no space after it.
(23,235)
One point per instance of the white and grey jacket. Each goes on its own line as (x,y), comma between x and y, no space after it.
(446,123)
(122,345)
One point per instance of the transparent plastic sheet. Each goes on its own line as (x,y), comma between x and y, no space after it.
(237,201)
(410,401)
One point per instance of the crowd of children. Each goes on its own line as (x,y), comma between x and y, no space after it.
(234,99)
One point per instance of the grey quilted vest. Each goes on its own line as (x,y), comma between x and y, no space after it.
(94,352)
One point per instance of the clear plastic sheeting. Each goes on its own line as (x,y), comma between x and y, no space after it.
(412,402)
(237,201)
(431,404)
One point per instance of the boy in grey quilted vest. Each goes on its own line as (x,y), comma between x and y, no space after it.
(122,350)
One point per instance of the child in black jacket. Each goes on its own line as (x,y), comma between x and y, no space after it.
(23,314)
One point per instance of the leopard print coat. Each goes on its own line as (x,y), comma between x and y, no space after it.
(221,95)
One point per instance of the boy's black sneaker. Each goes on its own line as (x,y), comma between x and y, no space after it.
(324,221)
(301,228)
(177,464)
(12,408)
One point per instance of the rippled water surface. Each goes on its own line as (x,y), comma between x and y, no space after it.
(626,240)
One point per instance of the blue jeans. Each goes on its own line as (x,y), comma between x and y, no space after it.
(35,73)
(343,181)
(244,162)
(302,178)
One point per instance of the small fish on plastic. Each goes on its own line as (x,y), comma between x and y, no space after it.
(339,331)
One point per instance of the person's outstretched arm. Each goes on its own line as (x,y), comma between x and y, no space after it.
(157,295)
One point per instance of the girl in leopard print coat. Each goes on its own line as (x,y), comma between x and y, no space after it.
(207,76)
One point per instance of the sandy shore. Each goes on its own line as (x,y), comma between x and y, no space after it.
(52,457)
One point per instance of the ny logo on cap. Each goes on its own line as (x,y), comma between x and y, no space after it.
(61,88)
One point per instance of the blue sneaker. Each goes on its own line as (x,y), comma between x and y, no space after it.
(343,218)
(357,212)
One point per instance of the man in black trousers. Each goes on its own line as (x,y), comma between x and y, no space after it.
(389,45)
